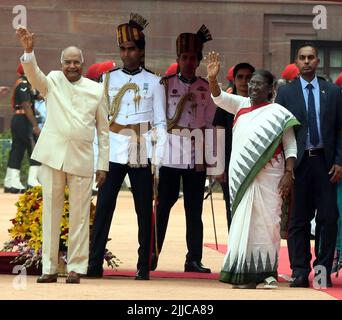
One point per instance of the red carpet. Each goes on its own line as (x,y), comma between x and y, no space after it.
(163,274)
(6,267)
(284,269)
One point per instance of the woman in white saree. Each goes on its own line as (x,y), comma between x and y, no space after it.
(260,176)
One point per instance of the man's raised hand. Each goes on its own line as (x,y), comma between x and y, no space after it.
(26,38)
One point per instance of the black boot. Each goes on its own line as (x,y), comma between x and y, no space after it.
(154,262)
(195,266)
(142,275)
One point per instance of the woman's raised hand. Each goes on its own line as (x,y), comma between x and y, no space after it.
(213,65)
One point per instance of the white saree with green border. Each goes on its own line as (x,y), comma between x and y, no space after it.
(254,174)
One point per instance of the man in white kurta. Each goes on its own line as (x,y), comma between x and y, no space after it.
(75,107)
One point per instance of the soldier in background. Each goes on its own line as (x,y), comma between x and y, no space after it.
(23,127)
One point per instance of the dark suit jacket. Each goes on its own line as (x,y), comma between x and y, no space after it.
(291,97)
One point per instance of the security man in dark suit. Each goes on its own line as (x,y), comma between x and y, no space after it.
(317,104)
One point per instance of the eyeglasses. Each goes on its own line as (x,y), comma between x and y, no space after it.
(256,83)
(76,63)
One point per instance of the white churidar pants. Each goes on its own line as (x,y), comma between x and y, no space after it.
(54,182)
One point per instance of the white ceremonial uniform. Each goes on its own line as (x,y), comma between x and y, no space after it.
(143,104)
(150,109)
(197,114)
(65,149)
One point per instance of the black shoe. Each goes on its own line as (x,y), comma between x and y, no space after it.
(47,278)
(194,266)
(15,190)
(329,283)
(300,282)
(7,190)
(94,273)
(73,277)
(142,275)
(154,262)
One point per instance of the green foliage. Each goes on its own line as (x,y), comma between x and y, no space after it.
(5,147)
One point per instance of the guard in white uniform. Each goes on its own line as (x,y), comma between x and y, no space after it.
(189,108)
(136,102)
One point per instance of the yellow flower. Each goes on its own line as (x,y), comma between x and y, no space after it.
(26,230)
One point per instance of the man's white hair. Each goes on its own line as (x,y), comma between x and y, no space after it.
(81,53)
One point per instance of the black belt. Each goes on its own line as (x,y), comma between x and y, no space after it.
(314,152)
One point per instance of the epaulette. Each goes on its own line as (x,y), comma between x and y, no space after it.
(102,76)
(165,78)
(150,71)
(115,69)
(204,79)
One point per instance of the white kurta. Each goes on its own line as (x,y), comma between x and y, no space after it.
(74,110)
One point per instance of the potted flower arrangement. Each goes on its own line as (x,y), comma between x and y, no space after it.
(26,230)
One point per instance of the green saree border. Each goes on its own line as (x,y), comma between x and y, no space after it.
(244,278)
(267,156)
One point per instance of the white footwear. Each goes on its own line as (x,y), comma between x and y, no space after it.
(33,175)
(8,180)
(16,185)
(270,283)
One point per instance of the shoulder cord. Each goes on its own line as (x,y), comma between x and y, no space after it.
(115,106)
(179,109)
